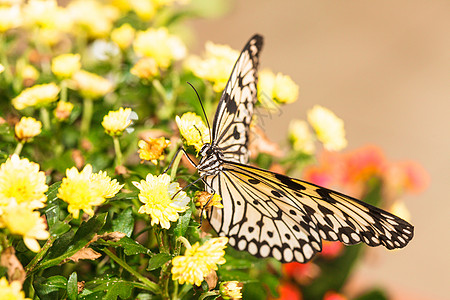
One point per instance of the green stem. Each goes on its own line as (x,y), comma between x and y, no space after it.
(117,150)
(18,148)
(153,287)
(173,171)
(30,267)
(63,86)
(160,89)
(45,118)
(88,108)
(4,60)
(207,294)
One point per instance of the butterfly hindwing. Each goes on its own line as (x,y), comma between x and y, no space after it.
(235,109)
(316,210)
(254,221)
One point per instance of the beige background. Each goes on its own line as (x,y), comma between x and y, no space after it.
(383,67)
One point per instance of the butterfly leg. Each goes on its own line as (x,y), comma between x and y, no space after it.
(207,202)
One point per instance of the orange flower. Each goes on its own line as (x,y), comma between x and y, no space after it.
(364,163)
(331,250)
(331,295)
(302,273)
(407,176)
(289,292)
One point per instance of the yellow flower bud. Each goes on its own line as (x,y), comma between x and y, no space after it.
(115,122)
(27,128)
(63,110)
(123,36)
(145,68)
(91,85)
(65,65)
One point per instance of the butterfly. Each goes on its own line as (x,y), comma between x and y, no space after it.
(270,214)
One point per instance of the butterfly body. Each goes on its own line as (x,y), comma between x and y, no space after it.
(270,214)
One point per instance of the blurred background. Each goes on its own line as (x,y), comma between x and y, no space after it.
(384,68)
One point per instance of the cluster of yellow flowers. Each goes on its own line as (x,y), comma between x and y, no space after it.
(328,128)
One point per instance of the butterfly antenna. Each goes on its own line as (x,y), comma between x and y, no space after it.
(204,113)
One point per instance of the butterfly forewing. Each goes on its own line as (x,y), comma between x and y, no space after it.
(235,110)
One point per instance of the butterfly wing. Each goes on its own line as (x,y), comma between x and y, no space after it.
(235,109)
(269,214)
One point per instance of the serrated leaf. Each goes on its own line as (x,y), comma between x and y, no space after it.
(183,223)
(158,260)
(72,287)
(124,222)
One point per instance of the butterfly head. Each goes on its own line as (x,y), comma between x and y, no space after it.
(206,150)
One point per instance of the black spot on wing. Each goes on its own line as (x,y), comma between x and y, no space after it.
(289,182)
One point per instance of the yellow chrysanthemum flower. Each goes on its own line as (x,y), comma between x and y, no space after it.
(217,65)
(94,17)
(10,17)
(47,15)
(156,193)
(193,130)
(63,110)
(108,187)
(37,95)
(328,127)
(91,85)
(279,87)
(21,220)
(80,191)
(231,290)
(301,136)
(160,45)
(65,65)
(198,261)
(152,149)
(11,291)
(21,180)
(123,36)
(145,68)
(115,122)
(27,128)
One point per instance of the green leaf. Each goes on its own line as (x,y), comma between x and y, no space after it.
(72,287)
(113,287)
(70,243)
(124,222)
(158,260)
(183,223)
(375,294)
(48,288)
(52,209)
(130,246)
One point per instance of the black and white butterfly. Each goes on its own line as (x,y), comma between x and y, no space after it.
(269,214)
